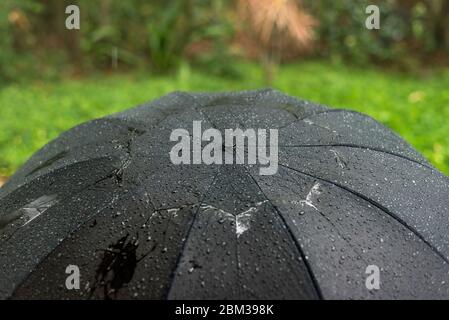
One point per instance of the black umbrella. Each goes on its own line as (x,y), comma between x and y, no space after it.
(352,211)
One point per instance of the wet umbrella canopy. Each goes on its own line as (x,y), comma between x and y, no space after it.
(105,197)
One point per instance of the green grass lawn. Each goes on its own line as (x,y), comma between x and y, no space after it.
(417,107)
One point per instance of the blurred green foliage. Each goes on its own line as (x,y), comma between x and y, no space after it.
(410,30)
(342,33)
(154,35)
(160,35)
(417,107)
(15,60)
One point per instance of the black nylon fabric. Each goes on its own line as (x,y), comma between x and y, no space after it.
(105,196)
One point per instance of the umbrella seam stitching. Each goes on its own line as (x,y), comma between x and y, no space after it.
(308,267)
(41,261)
(315,114)
(379,206)
(348,145)
(181,253)
(295,241)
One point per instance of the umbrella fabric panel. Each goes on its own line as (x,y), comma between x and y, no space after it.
(267,109)
(170,205)
(347,128)
(414,194)
(128,250)
(240,248)
(265,98)
(342,234)
(102,137)
(190,181)
(168,185)
(64,182)
(26,242)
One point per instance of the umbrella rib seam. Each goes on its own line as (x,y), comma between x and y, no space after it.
(43,259)
(377,205)
(178,260)
(214,126)
(112,174)
(107,176)
(308,267)
(355,146)
(315,114)
(338,111)
(181,253)
(295,241)
(331,110)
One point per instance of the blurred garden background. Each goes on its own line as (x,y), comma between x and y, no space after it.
(128,52)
